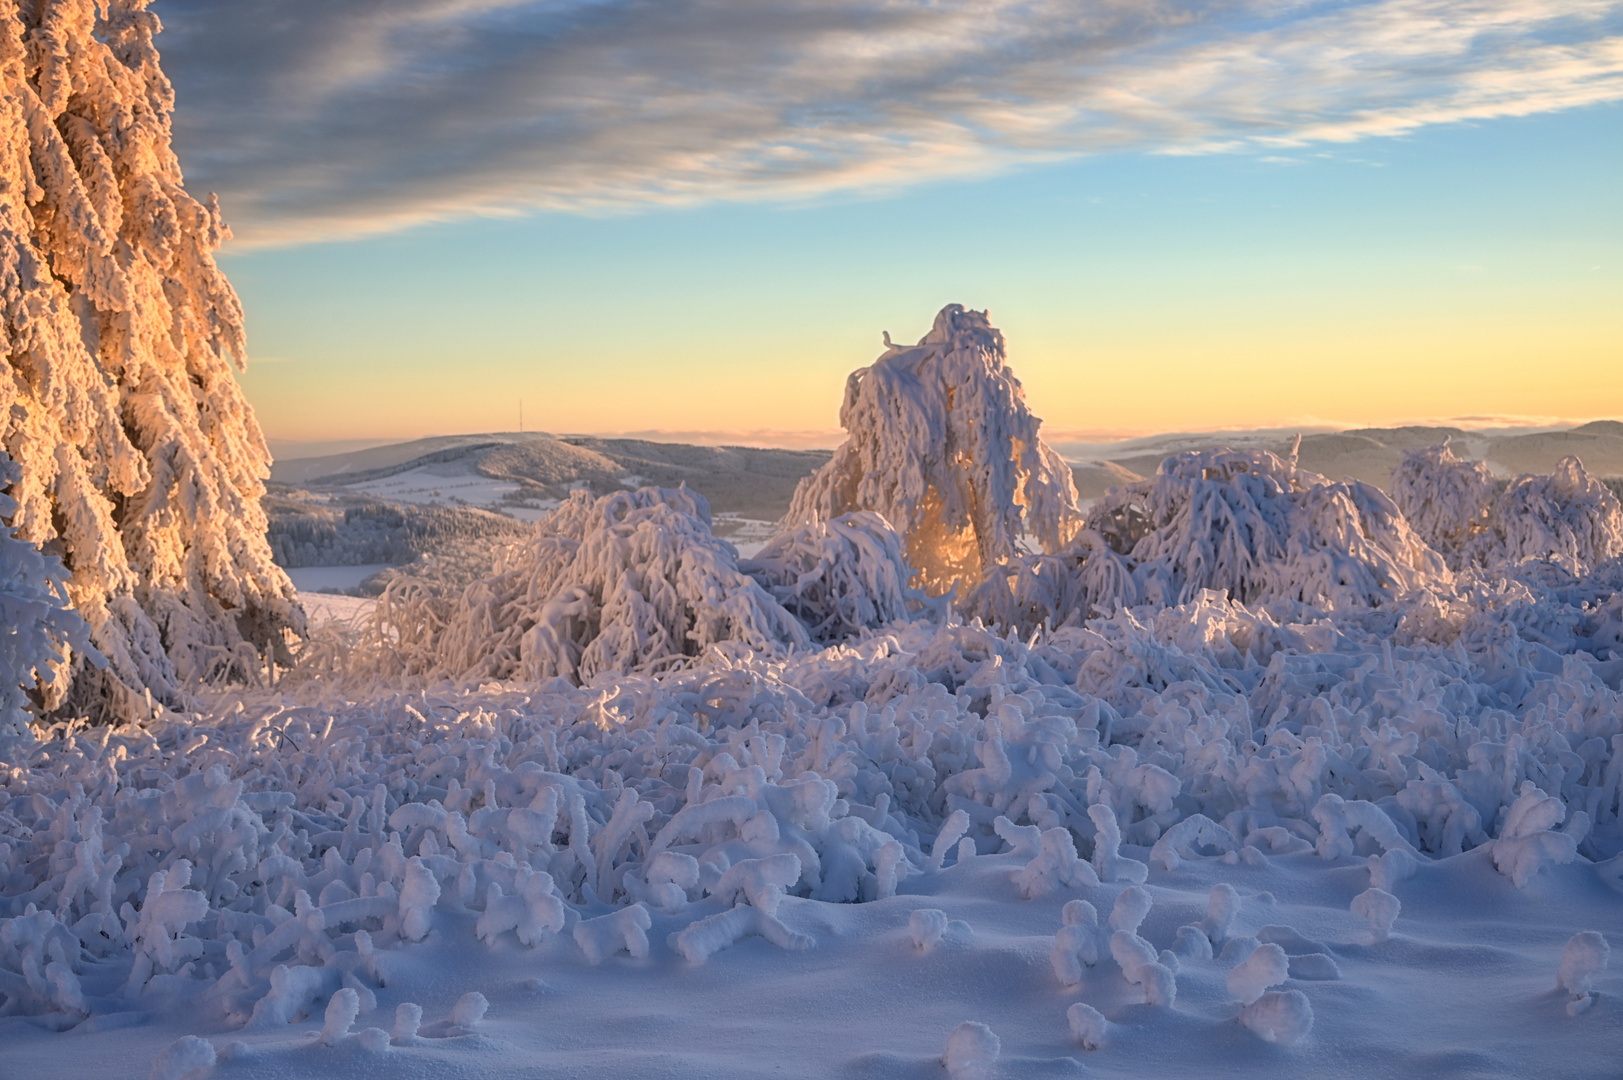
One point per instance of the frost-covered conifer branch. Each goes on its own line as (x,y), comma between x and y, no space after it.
(140,459)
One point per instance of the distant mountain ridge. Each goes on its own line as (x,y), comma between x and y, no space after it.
(528,470)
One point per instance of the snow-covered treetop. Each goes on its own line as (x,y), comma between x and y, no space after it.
(1262,529)
(1445,499)
(941,443)
(1568,517)
(140,460)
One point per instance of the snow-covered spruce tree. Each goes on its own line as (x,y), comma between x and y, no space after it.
(1568,517)
(940,442)
(39,623)
(1444,499)
(1261,529)
(141,464)
(624,583)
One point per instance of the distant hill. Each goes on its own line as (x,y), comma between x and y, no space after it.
(1370,454)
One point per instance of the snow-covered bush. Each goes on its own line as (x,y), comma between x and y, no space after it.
(1444,499)
(1568,518)
(138,453)
(941,444)
(41,626)
(623,583)
(837,577)
(1582,961)
(1061,589)
(1261,529)
(972,1052)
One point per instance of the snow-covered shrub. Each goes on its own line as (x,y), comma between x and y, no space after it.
(1222,905)
(42,629)
(1582,961)
(186,1056)
(837,577)
(1283,1017)
(940,442)
(972,1052)
(1266,966)
(623,583)
(925,926)
(1381,908)
(1088,1025)
(138,453)
(1445,500)
(1262,529)
(1528,841)
(1141,966)
(1077,944)
(1065,588)
(1568,518)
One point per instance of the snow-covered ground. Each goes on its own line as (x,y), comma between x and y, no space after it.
(334,607)
(438,486)
(835,797)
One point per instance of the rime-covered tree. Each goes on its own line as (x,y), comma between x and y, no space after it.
(140,462)
(940,442)
(1568,517)
(39,623)
(1259,528)
(1445,500)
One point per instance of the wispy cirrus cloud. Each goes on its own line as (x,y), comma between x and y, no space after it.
(321,119)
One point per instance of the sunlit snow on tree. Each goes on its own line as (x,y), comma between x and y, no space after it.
(141,462)
(940,442)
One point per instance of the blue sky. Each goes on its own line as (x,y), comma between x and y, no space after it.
(1181,215)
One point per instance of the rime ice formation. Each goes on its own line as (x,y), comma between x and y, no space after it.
(43,629)
(622,583)
(1568,518)
(1444,499)
(940,442)
(1262,529)
(1582,961)
(140,461)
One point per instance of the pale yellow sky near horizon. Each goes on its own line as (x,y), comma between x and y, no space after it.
(1469,270)
(1149,383)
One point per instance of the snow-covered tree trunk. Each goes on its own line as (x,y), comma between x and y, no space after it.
(941,443)
(141,463)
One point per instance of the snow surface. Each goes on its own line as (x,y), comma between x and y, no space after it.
(685,874)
